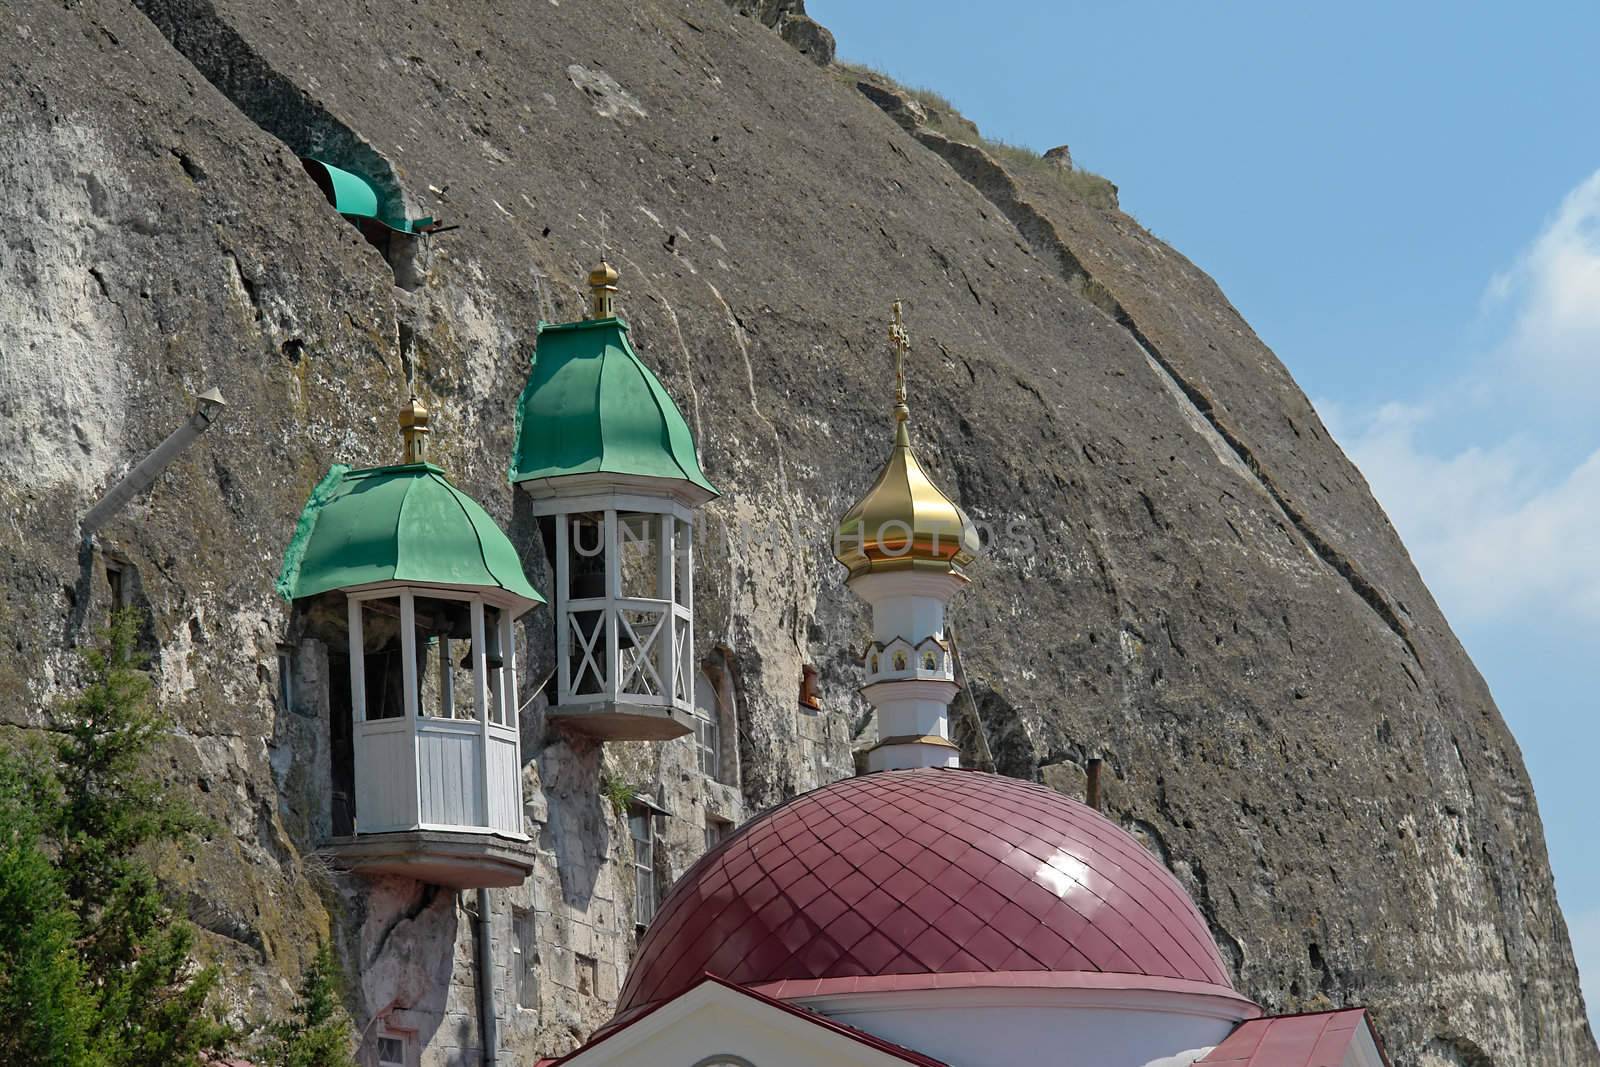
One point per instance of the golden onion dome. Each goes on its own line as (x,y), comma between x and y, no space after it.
(904,522)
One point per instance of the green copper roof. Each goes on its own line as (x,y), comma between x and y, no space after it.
(592,407)
(353,195)
(406,524)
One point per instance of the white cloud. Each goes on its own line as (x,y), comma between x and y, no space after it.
(1492,537)
(1497,526)
(1553,291)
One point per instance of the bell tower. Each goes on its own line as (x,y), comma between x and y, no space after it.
(610,467)
(906,546)
(430,591)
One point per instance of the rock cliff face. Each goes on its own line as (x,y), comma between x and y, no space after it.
(1185,577)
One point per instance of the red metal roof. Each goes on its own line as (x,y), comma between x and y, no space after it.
(1321,1039)
(923,872)
(806,988)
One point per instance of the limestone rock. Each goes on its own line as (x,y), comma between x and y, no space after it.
(1183,575)
(803,33)
(1066,778)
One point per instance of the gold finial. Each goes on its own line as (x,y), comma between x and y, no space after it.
(602,291)
(904,522)
(900,341)
(414,428)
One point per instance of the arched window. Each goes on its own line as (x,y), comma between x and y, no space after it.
(707,726)
(642,827)
(874,664)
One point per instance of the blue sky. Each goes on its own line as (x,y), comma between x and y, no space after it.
(1404,201)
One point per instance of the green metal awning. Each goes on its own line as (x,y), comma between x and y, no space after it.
(355,197)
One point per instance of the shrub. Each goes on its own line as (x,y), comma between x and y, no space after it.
(318,1034)
(942,117)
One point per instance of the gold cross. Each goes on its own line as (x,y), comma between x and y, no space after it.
(900,341)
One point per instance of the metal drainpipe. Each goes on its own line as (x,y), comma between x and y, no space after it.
(150,467)
(488,1020)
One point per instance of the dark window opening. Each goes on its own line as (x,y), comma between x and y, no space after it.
(382,665)
(717,719)
(642,827)
(525,952)
(125,593)
(116,582)
(708,727)
(392,1051)
(588,969)
(385,698)
(286,678)
(809,697)
(341,746)
(444,659)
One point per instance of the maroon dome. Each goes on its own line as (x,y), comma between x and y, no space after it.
(924,872)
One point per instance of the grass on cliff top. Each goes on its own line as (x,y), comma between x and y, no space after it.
(929,99)
(943,118)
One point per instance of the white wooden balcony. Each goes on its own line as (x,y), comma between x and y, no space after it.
(438,768)
(624,621)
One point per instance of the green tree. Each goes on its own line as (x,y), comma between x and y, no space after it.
(318,1034)
(46,1004)
(95,967)
(111,808)
(151,1000)
(96,970)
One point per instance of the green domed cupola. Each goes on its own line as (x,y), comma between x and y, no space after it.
(593,410)
(428,779)
(610,469)
(404,523)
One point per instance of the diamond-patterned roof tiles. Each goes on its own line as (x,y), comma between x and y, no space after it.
(923,872)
